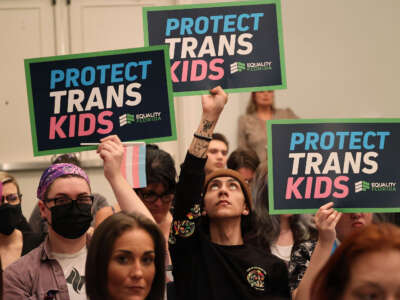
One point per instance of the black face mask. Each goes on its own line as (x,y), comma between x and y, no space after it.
(71,221)
(10,216)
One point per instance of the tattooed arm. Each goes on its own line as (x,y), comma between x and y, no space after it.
(213,105)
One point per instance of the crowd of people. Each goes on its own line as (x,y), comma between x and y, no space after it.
(207,234)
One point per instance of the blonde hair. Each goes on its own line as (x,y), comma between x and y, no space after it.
(252,106)
(8,178)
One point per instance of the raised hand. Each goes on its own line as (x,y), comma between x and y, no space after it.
(111,152)
(214,103)
(326,219)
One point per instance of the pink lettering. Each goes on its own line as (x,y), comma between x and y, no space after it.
(185,72)
(72,125)
(108,123)
(318,185)
(173,68)
(218,70)
(55,127)
(92,124)
(344,188)
(203,70)
(292,187)
(308,187)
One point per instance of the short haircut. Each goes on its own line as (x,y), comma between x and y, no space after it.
(100,251)
(8,178)
(243,158)
(160,168)
(68,158)
(332,280)
(220,137)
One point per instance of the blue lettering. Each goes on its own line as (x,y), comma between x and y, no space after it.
(229,21)
(127,69)
(72,76)
(144,65)
(92,75)
(172,24)
(216,20)
(382,135)
(296,139)
(365,140)
(342,135)
(56,76)
(186,25)
(240,24)
(115,72)
(257,17)
(103,69)
(197,25)
(331,136)
(355,137)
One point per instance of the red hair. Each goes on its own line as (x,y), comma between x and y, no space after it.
(333,278)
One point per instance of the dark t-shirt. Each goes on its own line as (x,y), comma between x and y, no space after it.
(204,270)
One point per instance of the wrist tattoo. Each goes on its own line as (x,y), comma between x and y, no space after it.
(207,125)
(200,148)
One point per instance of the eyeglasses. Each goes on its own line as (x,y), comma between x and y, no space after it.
(65,200)
(12,199)
(151,197)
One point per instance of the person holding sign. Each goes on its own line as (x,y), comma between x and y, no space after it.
(309,257)
(278,234)
(157,196)
(252,132)
(210,257)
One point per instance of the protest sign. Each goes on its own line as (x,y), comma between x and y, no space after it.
(237,45)
(82,98)
(352,162)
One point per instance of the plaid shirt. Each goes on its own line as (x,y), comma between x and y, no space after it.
(35,276)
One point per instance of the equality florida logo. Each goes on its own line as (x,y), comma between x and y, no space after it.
(127,119)
(364,186)
(238,66)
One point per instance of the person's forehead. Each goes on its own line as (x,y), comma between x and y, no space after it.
(9,186)
(224,179)
(217,144)
(64,184)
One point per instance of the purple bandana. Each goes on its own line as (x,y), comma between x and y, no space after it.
(55,171)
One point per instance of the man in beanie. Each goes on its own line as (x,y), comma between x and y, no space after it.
(210,257)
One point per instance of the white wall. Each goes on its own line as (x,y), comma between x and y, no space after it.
(342,60)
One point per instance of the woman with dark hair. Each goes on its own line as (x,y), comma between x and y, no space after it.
(252,132)
(365,266)
(276,234)
(126,259)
